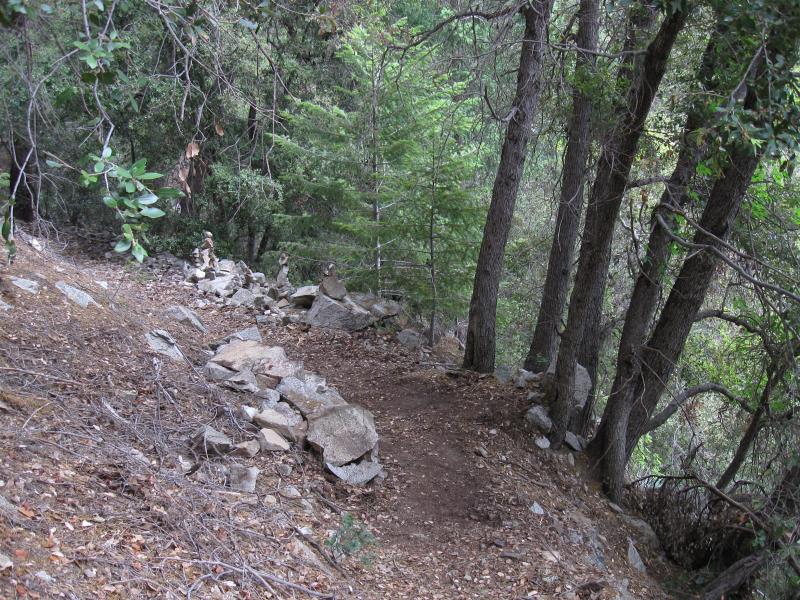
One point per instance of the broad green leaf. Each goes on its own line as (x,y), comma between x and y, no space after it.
(151,212)
(137,168)
(147,199)
(139,252)
(110,202)
(122,246)
(169,193)
(146,176)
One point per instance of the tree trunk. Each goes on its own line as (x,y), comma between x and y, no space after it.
(604,201)
(570,203)
(479,354)
(650,280)
(660,354)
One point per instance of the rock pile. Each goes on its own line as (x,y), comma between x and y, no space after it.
(538,415)
(293,406)
(326,305)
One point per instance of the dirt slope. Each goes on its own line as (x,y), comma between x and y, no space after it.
(94,501)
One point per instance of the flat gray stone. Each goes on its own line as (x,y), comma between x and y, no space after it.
(357,473)
(541,442)
(304,296)
(309,393)
(246,449)
(223,286)
(226,265)
(26,285)
(216,372)
(163,343)
(269,361)
(77,296)
(251,334)
(243,297)
(242,381)
(4,306)
(272,441)
(634,559)
(283,419)
(343,434)
(184,315)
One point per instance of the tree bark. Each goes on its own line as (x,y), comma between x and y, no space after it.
(479,354)
(613,170)
(570,203)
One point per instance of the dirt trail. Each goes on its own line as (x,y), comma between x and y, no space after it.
(453,516)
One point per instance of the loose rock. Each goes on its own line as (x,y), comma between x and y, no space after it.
(634,559)
(208,441)
(243,478)
(184,315)
(163,343)
(538,417)
(247,449)
(26,285)
(357,473)
(77,296)
(283,419)
(304,296)
(271,441)
(409,338)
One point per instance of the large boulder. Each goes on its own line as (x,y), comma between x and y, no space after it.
(343,434)
(309,393)
(538,417)
(380,308)
(304,296)
(338,314)
(409,338)
(583,383)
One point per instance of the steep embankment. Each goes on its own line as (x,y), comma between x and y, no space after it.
(95,500)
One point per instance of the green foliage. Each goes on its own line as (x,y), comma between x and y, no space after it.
(352,538)
(132,199)
(380,180)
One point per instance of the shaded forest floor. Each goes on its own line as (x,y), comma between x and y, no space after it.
(94,503)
